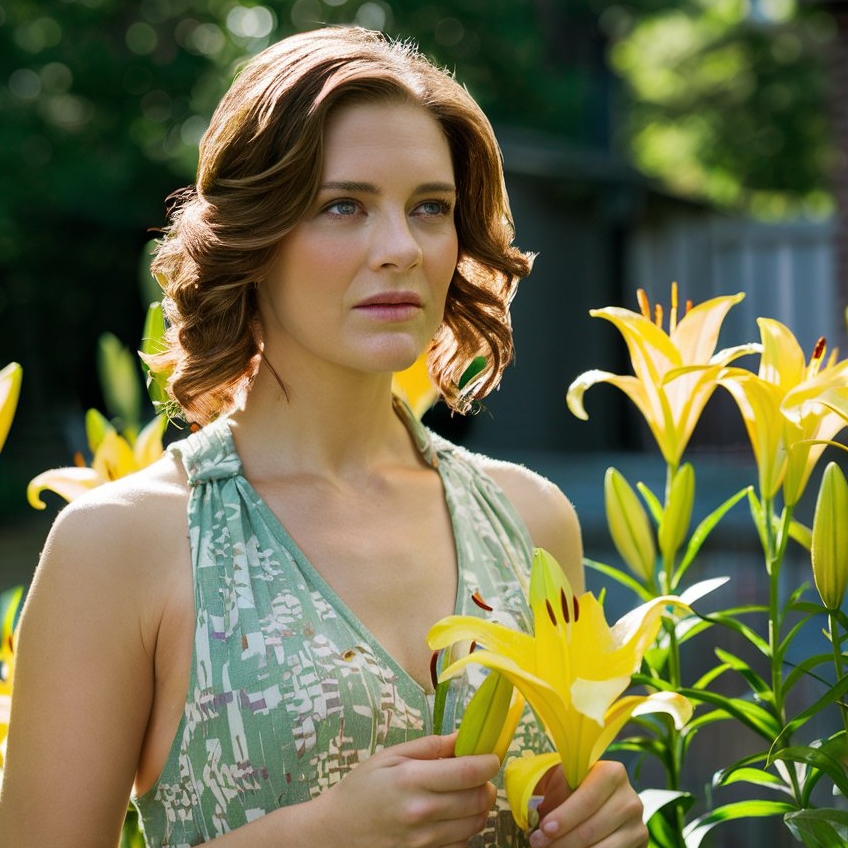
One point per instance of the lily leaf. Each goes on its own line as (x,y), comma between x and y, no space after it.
(652,501)
(654,800)
(761,721)
(119,380)
(802,534)
(757,684)
(818,759)
(756,776)
(820,828)
(620,577)
(474,369)
(695,831)
(703,530)
(834,694)
(701,589)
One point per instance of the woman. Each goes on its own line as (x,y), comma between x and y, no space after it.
(260,676)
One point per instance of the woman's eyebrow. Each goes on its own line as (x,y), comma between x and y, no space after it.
(370,188)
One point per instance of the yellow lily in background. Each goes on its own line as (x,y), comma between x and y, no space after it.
(113,457)
(415,387)
(10,388)
(675,372)
(11,602)
(829,549)
(788,408)
(571,670)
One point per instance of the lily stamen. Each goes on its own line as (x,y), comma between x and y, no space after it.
(644,303)
(576,608)
(563,602)
(672,313)
(658,315)
(434,672)
(817,357)
(550,610)
(480,602)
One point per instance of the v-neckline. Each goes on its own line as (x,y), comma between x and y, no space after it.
(423,444)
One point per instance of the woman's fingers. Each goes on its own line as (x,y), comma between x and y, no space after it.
(603,812)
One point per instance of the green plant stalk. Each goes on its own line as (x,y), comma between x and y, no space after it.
(836,644)
(674,740)
(776,535)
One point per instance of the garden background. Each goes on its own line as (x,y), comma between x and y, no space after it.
(702,141)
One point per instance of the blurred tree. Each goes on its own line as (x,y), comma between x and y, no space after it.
(727,99)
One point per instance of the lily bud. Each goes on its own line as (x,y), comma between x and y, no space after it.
(97,427)
(153,343)
(629,525)
(485,718)
(10,388)
(829,549)
(674,524)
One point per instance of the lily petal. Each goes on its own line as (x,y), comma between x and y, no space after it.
(415,386)
(10,388)
(521,777)
(148,446)
(68,483)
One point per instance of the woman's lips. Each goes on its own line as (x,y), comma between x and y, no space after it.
(391,306)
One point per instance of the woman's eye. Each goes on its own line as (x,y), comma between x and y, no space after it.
(434,208)
(342,208)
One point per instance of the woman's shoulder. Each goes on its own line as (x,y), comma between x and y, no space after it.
(549,515)
(129,525)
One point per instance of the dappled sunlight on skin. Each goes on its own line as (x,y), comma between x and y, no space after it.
(572,670)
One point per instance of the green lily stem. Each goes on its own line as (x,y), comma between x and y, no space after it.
(674,740)
(836,643)
(776,534)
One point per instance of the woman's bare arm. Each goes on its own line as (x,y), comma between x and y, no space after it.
(84,674)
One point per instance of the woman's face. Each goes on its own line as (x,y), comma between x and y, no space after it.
(361,282)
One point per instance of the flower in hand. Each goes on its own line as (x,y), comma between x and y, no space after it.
(572,670)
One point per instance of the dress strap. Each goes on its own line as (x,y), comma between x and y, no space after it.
(208,454)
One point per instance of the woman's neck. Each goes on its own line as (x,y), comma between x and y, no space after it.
(339,428)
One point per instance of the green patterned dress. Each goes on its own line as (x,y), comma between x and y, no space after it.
(288,690)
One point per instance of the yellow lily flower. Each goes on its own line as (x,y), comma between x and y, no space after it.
(788,408)
(675,372)
(415,387)
(10,388)
(571,670)
(114,457)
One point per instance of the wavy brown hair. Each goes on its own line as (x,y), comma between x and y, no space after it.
(259,171)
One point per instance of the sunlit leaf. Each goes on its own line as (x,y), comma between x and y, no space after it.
(119,380)
(819,828)
(702,531)
(695,831)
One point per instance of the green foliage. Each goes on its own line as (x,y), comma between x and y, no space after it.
(756,686)
(727,101)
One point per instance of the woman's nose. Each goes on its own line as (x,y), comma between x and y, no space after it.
(394,244)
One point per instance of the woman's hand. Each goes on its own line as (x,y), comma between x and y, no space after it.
(413,794)
(603,812)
